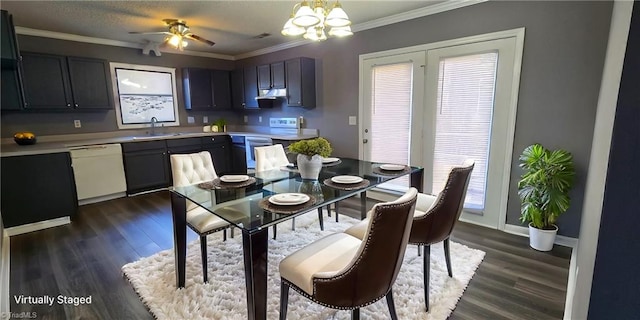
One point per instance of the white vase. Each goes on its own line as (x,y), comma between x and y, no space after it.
(309,167)
(540,239)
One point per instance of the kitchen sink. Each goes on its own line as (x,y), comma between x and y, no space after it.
(157,136)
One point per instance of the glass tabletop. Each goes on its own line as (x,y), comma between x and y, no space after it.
(249,207)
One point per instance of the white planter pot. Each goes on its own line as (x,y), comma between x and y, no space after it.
(309,167)
(542,240)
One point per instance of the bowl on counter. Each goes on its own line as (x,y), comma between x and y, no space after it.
(24,138)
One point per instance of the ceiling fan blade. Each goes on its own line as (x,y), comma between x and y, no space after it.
(199,38)
(151,32)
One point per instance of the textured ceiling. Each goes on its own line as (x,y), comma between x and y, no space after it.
(232,25)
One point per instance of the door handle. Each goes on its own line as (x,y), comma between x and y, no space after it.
(365,140)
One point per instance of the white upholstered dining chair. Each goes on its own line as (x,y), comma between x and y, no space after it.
(188,169)
(274,157)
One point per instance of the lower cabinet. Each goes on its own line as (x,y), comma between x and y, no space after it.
(220,149)
(146,165)
(37,188)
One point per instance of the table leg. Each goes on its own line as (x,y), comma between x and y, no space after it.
(363,205)
(416,179)
(255,247)
(179,213)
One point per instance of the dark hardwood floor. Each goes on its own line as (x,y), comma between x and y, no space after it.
(84,259)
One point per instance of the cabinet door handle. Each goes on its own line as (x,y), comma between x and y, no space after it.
(76,105)
(68,104)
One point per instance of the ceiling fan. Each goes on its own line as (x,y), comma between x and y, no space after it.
(178,32)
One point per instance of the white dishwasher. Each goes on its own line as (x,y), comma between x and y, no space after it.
(98,172)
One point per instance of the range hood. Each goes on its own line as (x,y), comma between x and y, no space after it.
(272,94)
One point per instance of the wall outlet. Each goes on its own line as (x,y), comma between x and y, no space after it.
(352,121)
(259,118)
(246,119)
(191,120)
(205,119)
(77,124)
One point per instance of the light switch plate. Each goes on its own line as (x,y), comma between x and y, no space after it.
(191,120)
(352,121)
(259,118)
(77,124)
(205,119)
(246,119)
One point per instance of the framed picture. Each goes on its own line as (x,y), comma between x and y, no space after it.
(144,94)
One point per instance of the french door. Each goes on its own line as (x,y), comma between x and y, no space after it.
(439,106)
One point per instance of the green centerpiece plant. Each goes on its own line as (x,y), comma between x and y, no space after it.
(544,191)
(310,153)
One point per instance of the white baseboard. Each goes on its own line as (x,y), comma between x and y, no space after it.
(25,228)
(524,232)
(4,275)
(102,198)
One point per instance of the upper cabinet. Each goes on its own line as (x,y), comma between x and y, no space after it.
(244,88)
(271,76)
(59,82)
(206,89)
(8,42)
(301,82)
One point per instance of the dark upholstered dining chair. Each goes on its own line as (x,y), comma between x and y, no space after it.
(434,218)
(343,272)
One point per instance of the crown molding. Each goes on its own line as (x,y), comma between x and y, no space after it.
(400,17)
(109,42)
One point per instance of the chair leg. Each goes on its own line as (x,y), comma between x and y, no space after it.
(275,231)
(427,268)
(293,224)
(447,257)
(320,219)
(335,207)
(224,235)
(284,299)
(203,253)
(232,228)
(328,210)
(392,306)
(355,314)
(419,247)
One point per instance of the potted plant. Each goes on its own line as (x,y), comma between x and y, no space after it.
(544,192)
(310,153)
(221,124)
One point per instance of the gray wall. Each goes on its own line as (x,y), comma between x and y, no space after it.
(48,123)
(564,52)
(563,58)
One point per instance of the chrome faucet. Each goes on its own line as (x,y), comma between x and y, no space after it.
(153,122)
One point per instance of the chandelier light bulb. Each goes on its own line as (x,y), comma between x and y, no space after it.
(337,17)
(340,31)
(291,29)
(305,17)
(175,40)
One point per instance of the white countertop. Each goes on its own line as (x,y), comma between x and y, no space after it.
(62,143)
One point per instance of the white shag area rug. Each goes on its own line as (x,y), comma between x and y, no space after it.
(224,297)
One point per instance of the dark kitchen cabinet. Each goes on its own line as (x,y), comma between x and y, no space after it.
(301,82)
(271,76)
(146,165)
(206,89)
(250,87)
(220,149)
(59,82)
(8,42)
(37,188)
(12,97)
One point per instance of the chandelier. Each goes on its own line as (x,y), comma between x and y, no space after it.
(310,18)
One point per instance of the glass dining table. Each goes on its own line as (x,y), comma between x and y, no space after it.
(246,206)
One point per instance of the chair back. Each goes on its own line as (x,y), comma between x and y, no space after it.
(373,270)
(188,169)
(437,224)
(270,157)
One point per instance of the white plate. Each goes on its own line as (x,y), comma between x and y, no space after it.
(346,179)
(234,178)
(289,199)
(330,160)
(392,167)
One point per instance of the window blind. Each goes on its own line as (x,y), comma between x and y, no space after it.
(466,87)
(390,116)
